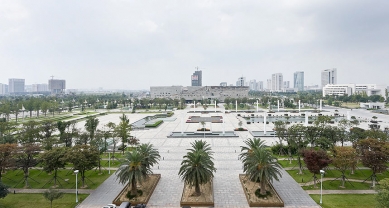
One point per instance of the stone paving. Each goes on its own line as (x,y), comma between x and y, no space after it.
(227,188)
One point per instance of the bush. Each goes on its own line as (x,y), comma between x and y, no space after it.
(275,149)
(159,122)
(129,196)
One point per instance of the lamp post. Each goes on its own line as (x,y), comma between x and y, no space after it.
(109,161)
(76,172)
(321,186)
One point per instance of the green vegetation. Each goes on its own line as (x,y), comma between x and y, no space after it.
(346,200)
(155,124)
(38,200)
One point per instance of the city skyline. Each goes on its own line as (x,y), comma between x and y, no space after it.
(135,45)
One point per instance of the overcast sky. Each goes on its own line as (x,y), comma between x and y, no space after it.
(137,44)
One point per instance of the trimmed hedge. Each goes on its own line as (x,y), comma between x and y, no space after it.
(156,124)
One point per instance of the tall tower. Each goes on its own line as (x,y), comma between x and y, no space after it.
(277,82)
(328,76)
(16,85)
(298,80)
(197,78)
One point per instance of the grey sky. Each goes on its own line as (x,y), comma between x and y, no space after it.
(138,44)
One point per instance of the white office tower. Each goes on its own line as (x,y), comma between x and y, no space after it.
(298,81)
(328,76)
(277,82)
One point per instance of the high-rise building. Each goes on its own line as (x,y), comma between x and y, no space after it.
(241,82)
(15,85)
(298,80)
(268,84)
(328,76)
(57,86)
(197,78)
(277,82)
(286,84)
(260,85)
(253,85)
(3,89)
(40,88)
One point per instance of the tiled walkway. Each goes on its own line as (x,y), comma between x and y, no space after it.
(227,189)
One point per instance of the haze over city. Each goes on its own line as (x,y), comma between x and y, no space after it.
(138,44)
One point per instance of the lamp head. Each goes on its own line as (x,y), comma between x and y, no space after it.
(76,171)
(322,172)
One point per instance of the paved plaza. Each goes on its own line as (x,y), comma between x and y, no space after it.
(227,189)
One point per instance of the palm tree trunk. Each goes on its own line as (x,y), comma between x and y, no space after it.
(133,186)
(263,185)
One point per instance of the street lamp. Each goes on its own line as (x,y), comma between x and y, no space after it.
(76,172)
(109,161)
(321,186)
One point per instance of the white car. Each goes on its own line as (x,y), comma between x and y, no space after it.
(111,205)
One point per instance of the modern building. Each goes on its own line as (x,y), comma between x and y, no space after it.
(253,85)
(241,82)
(328,76)
(277,82)
(298,81)
(197,78)
(223,84)
(40,88)
(3,89)
(260,85)
(268,84)
(191,93)
(15,85)
(57,86)
(351,89)
(286,84)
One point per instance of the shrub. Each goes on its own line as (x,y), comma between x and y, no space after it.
(275,149)
(159,122)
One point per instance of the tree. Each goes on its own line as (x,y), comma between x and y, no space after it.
(197,167)
(46,131)
(150,154)
(3,190)
(375,155)
(123,130)
(52,195)
(297,139)
(91,126)
(343,159)
(383,193)
(316,160)
(258,163)
(52,160)
(133,171)
(7,151)
(83,158)
(29,132)
(281,132)
(26,157)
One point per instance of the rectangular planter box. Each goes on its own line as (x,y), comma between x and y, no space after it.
(197,203)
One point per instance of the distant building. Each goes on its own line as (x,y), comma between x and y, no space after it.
(223,84)
(351,89)
(197,78)
(57,86)
(328,76)
(277,82)
(40,88)
(260,85)
(3,89)
(16,86)
(253,85)
(241,82)
(268,84)
(191,93)
(298,80)
(286,84)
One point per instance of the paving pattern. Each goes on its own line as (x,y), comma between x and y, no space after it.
(227,188)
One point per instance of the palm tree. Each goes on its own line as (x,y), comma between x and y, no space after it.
(151,156)
(259,164)
(197,167)
(123,130)
(132,171)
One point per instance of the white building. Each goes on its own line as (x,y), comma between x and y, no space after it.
(16,85)
(40,88)
(241,82)
(277,82)
(3,89)
(268,84)
(253,85)
(329,76)
(260,85)
(286,84)
(351,89)
(223,84)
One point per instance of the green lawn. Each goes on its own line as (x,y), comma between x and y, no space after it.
(346,200)
(334,185)
(40,178)
(285,163)
(37,200)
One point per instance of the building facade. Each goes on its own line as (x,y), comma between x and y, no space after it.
(241,82)
(191,93)
(57,86)
(351,89)
(260,85)
(298,81)
(329,76)
(16,85)
(286,84)
(223,84)
(197,78)
(253,85)
(277,82)
(3,89)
